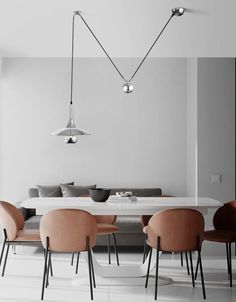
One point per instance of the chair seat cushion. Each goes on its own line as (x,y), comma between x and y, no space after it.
(28,235)
(106,228)
(225,236)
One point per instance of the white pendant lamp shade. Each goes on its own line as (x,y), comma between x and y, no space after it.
(70,131)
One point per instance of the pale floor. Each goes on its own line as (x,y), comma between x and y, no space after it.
(22,282)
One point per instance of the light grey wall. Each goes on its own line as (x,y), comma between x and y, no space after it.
(137,139)
(216,127)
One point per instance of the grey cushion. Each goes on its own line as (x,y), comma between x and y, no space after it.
(144,192)
(33,192)
(76,191)
(47,191)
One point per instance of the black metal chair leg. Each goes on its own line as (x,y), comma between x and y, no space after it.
(3,248)
(48,268)
(235,249)
(77,263)
(45,269)
(186,257)
(109,248)
(148,269)
(145,248)
(116,250)
(157,266)
(191,266)
(72,259)
(230,265)
(93,275)
(89,267)
(227,257)
(196,271)
(5,261)
(181,259)
(202,277)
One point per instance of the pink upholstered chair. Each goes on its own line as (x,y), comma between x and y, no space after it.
(68,231)
(175,230)
(12,222)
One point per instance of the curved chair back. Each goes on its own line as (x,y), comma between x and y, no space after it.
(110,219)
(179,230)
(231,203)
(225,218)
(11,219)
(68,230)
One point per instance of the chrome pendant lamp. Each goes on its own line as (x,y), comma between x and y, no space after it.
(71,132)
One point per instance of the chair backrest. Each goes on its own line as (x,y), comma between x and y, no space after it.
(178,229)
(110,219)
(68,230)
(11,219)
(231,203)
(225,218)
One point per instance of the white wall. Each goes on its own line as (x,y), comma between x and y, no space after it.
(137,139)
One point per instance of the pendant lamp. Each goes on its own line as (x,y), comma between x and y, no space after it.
(71,132)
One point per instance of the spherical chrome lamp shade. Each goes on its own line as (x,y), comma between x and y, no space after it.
(128,87)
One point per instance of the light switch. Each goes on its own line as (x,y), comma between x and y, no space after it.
(216,178)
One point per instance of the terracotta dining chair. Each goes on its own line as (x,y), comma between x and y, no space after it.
(224,222)
(232,203)
(144,222)
(12,222)
(68,231)
(175,230)
(105,226)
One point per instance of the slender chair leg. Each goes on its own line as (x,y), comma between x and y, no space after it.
(72,259)
(93,275)
(191,266)
(109,249)
(196,271)
(5,261)
(89,267)
(157,266)
(116,250)
(45,268)
(235,249)
(227,256)
(145,248)
(230,264)
(186,257)
(181,259)
(201,271)
(148,269)
(48,268)
(77,263)
(3,248)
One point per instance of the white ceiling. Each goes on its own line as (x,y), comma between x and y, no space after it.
(42,28)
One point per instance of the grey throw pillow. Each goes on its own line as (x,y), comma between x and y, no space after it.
(76,191)
(51,191)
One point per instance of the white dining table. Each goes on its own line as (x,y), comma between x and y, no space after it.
(122,206)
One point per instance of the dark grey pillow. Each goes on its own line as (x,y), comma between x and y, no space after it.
(76,191)
(51,191)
